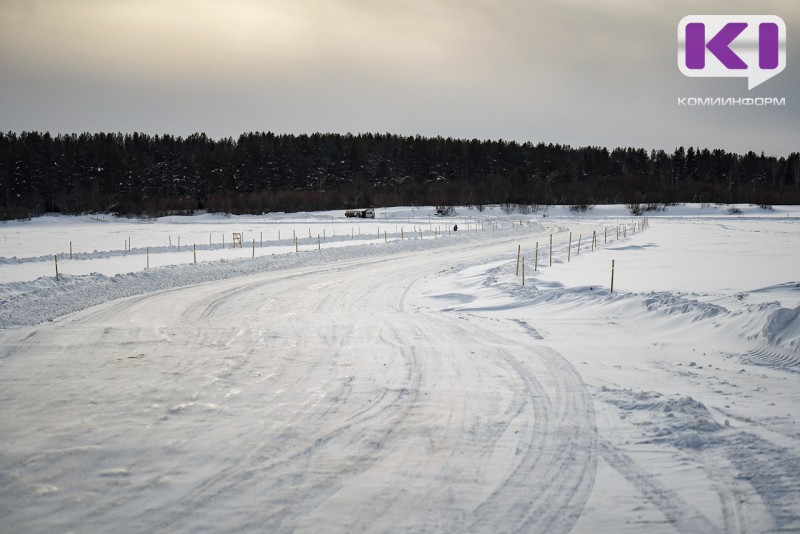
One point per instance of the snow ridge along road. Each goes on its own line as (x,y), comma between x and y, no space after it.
(286,400)
(75,293)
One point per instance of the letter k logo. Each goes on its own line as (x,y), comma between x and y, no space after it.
(719,45)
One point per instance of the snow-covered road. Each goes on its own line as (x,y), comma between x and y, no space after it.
(292,400)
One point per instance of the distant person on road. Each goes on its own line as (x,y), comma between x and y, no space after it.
(455,228)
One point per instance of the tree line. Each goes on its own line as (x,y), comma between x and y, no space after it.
(152,175)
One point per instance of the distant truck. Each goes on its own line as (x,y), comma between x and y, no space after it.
(445,211)
(361,214)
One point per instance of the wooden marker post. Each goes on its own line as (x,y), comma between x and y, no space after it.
(319,243)
(569,248)
(194,251)
(254,248)
(70,250)
(56,258)
(612,277)
(385,237)
(295,244)
(605,236)
(536,258)
(519,248)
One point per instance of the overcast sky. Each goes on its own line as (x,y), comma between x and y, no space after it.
(577,72)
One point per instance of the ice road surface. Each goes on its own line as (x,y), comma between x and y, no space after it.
(404,381)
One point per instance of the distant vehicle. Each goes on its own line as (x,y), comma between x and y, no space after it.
(361,214)
(445,211)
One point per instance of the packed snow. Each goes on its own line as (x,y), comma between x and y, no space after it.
(396,375)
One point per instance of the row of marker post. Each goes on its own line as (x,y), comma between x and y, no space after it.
(621,230)
(641,225)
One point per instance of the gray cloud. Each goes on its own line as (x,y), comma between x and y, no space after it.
(577,72)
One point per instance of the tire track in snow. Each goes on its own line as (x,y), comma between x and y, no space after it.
(682,515)
(556,474)
(367,431)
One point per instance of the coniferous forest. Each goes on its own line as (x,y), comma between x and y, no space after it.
(143,175)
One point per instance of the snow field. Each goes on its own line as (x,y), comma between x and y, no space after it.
(417,385)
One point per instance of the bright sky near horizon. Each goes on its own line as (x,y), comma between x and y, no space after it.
(577,72)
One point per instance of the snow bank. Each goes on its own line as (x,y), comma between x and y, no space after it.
(783,324)
(680,421)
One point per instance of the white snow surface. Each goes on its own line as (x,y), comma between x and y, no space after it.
(404,381)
